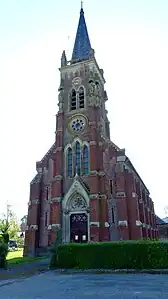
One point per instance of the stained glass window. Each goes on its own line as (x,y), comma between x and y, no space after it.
(78,157)
(69,172)
(85,160)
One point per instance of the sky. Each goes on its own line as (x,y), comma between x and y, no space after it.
(130,38)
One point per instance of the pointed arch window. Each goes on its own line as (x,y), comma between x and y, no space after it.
(73,100)
(81,97)
(85,160)
(69,168)
(77,157)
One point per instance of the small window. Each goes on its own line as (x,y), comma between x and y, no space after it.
(81,97)
(73,100)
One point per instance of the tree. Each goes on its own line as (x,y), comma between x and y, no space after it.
(9,226)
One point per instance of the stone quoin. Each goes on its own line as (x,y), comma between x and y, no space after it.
(85,187)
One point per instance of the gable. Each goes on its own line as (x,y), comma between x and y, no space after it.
(76,188)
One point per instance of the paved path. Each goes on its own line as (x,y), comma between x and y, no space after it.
(24,269)
(52,285)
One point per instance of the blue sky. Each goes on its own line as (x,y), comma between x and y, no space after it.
(130,39)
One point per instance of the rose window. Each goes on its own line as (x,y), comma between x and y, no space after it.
(78,125)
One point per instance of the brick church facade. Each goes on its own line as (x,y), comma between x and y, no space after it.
(85,187)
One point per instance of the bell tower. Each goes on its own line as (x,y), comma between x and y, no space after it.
(82,129)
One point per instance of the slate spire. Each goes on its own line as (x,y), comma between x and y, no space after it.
(82,47)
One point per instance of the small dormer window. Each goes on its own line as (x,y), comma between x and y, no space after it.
(73,100)
(81,97)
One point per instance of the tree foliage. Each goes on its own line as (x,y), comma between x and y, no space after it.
(9,226)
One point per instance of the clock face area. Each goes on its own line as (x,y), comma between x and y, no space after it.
(77,124)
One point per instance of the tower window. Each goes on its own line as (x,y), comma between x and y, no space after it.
(77,157)
(69,170)
(85,160)
(81,97)
(73,100)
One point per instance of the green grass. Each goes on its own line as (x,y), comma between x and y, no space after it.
(15,254)
(16,258)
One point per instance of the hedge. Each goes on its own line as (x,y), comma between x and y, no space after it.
(111,255)
(3,255)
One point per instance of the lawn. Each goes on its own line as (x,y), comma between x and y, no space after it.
(16,258)
(15,254)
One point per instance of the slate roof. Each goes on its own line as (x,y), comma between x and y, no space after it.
(82,46)
(159,220)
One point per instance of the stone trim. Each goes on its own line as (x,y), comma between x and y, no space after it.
(98,173)
(33,227)
(93,172)
(101,173)
(100,143)
(120,194)
(54,226)
(55,199)
(106,224)
(71,69)
(134,195)
(93,195)
(123,223)
(138,223)
(92,142)
(95,223)
(96,195)
(59,149)
(57,178)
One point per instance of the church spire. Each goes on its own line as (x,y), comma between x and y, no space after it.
(82,47)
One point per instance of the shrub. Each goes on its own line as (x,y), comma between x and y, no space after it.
(112,255)
(3,255)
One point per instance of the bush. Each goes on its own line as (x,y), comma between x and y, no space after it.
(3,255)
(112,255)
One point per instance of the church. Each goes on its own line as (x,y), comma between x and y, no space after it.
(86,188)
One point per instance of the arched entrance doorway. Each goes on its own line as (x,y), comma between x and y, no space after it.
(79,227)
(76,203)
